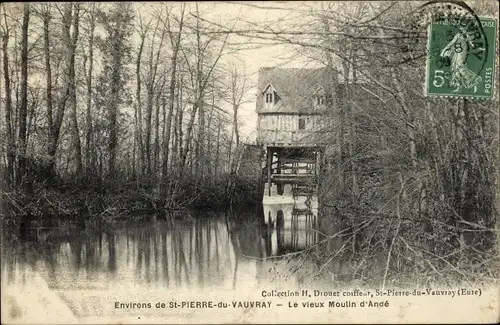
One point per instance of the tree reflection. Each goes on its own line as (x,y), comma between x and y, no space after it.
(202,251)
(111,253)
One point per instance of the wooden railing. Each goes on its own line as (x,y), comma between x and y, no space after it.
(283,137)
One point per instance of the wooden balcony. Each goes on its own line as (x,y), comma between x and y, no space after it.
(284,138)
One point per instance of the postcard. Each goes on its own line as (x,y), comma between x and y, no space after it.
(249,162)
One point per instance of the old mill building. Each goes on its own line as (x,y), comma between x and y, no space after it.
(291,107)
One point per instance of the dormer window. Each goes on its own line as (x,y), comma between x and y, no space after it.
(319,97)
(270,96)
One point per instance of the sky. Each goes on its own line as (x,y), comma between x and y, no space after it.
(252,55)
(255,55)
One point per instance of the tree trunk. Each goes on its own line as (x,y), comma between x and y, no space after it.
(180,127)
(210,140)
(166,146)
(175,42)
(233,161)
(230,147)
(335,107)
(351,134)
(88,116)
(149,110)
(156,148)
(113,105)
(236,129)
(23,109)
(8,107)
(177,150)
(138,106)
(175,142)
(153,69)
(71,19)
(200,144)
(189,132)
(217,150)
(163,135)
(32,119)
(54,122)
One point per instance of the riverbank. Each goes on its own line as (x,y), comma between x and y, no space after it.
(101,202)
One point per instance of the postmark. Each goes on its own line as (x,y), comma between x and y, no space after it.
(461,54)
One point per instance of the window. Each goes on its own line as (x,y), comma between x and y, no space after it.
(320,100)
(269,98)
(302,124)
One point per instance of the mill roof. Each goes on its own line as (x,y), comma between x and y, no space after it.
(295,88)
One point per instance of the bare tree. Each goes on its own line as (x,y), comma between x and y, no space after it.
(175,42)
(6,28)
(142,31)
(23,109)
(89,74)
(200,72)
(237,91)
(54,122)
(151,79)
(118,28)
(71,23)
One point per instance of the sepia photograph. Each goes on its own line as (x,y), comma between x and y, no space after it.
(249,162)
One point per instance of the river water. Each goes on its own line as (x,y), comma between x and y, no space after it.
(160,260)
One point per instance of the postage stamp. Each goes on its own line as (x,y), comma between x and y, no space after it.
(461,57)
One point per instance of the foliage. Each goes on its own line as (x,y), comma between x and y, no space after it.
(416,196)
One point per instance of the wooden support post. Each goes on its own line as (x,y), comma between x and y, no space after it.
(278,161)
(269,166)
(318,161)
(279,155)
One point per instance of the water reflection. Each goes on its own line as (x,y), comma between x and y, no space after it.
(223,252)
(291,227)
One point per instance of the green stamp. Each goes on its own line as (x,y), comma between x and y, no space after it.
(461,57)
